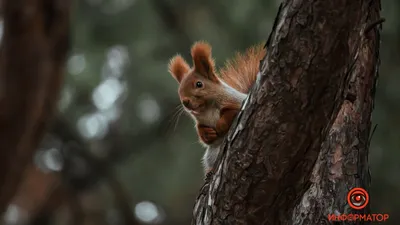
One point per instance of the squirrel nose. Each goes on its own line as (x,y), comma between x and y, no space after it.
(186,103)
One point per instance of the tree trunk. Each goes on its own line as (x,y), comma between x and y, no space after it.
(33,53)
(343,160)
(300,142)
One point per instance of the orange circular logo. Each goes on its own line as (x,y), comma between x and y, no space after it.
(358,198)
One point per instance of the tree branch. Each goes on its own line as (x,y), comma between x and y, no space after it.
(270,152)
(33,53)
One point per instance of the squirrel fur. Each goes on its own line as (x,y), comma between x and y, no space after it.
(214,98)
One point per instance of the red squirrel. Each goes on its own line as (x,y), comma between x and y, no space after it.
(214,98)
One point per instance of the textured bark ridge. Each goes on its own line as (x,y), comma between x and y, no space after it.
(315,89)
(32,57)
(343,160)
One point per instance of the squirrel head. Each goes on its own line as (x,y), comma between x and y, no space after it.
(198,86)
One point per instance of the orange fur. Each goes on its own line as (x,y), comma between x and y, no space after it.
(178,67)
(206,134)
(228,114)
(241,71)
(212,104)
(202,59)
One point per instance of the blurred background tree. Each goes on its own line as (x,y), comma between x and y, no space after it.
(121,147)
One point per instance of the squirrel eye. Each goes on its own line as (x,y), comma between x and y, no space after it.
(199,84)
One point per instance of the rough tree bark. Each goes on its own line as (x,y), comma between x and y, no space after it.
(320,70)
(33,52)
(343,160)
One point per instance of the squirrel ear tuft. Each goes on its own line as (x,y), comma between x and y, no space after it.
(202,60)
(178,67)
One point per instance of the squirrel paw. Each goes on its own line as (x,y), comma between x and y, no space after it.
(207,134)
(226,119)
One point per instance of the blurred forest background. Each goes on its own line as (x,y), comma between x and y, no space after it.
(118,151)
